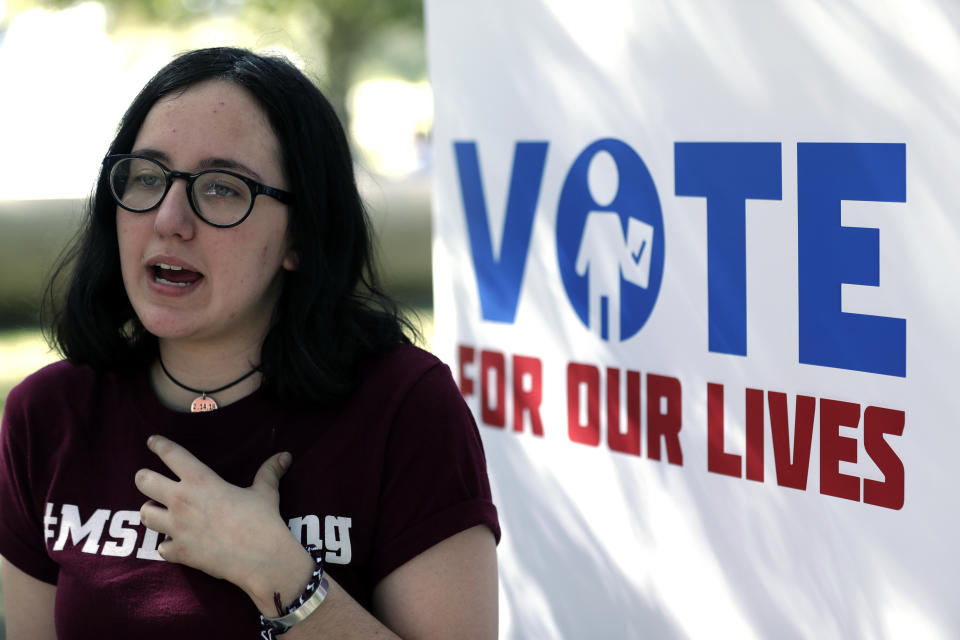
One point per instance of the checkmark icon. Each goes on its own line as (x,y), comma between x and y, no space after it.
(636,256)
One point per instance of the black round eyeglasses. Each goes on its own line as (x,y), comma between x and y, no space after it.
(220,198)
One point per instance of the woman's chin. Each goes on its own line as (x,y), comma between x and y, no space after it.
(166,328)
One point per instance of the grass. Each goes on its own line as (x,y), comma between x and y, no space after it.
(22,351)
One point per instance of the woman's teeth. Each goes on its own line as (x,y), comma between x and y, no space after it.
(160,267)
(160,280)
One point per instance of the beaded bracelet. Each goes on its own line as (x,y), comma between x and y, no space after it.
(309,600)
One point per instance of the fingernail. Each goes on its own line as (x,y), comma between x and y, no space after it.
(151,440)
(285,459)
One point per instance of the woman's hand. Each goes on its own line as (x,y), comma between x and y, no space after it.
(224,530)
(235,533)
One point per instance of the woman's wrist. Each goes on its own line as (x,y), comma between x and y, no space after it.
(300,609)
(287,576)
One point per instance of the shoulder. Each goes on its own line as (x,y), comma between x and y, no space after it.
(54,380)
(59,388)
(402,368)
(406,382)
(32,400)
(418,394)
(404,358)
(59,372)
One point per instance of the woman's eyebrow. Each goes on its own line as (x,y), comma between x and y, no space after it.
(206,163)
(152,153)
(227,163)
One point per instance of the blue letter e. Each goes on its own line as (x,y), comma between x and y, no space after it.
(831,254)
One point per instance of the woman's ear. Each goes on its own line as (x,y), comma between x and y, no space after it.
(291,261)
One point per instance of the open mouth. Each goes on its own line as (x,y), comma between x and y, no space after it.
(172,275)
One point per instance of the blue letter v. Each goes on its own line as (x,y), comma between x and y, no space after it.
(499,281)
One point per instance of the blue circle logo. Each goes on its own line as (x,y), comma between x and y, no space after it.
(611,252)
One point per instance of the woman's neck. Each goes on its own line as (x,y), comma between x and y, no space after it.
(205,370)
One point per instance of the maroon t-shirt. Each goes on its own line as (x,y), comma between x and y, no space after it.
(375,481)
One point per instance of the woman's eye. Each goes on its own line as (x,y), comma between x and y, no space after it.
(220,189)
(216,187)
(223,191)
(148,180)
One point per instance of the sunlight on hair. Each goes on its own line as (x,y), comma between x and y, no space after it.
(284,52)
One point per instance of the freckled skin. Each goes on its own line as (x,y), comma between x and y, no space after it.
(242,267)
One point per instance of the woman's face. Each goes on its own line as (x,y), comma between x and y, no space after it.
(229,279)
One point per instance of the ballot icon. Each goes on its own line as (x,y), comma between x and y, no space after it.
(610,240)
(606,256)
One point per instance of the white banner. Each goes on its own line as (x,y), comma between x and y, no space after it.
(696,270)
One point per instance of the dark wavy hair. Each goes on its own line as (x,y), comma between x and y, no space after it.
(332,315)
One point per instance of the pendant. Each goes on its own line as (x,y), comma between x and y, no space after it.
(203,403)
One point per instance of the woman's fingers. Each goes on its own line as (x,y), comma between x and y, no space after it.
(155,486)
(183,463)
(269,474)
(155,516)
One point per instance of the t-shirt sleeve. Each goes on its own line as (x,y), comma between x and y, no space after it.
(21,524)
(434,481)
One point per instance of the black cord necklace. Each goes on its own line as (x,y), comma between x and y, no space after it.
(204,402)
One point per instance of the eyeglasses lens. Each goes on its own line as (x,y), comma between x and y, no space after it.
(222,198)
(137,184)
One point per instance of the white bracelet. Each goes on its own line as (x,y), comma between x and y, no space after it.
(312,597)
(281,625)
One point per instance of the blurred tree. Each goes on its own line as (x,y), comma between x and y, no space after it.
(348,28)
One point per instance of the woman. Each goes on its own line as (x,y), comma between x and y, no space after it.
(231,361)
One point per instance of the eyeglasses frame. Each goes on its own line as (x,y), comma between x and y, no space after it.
(256,188)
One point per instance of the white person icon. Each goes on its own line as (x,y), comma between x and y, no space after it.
(606,254)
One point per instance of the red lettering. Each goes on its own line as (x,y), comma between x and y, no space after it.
(465,356)
(664,425)
(494,415)
(877,422)
(628,442)
(835,448)
(527,400)
(754,407)
(589,377)
(791,472)
(718,460)
(664,422)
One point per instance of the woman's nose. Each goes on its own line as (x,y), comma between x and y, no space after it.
(175,216)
